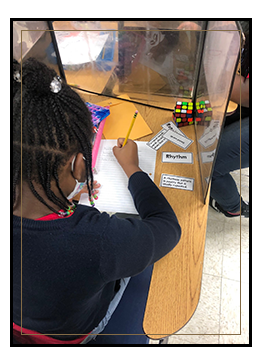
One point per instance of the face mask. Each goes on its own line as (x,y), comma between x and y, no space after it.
(79,185)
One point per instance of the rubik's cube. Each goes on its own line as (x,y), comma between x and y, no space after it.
(183,113)
(203,112)
(185,91)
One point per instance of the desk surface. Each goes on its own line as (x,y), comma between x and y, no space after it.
(176,280)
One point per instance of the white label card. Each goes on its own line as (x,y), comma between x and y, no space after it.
(208,156)
(171,126)
(177,139)
(177,157)
(157,141)
(177,182)
(210,135)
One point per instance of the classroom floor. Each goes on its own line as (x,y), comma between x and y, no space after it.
(222,315)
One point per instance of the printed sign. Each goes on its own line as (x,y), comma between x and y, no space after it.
(177,139)
(171,126)
(177,182)
(177,157)
(157,141)
(210,135)
(208,156)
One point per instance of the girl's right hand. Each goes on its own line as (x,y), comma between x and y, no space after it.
(127,156)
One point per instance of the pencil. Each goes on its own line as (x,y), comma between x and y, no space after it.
(131,126)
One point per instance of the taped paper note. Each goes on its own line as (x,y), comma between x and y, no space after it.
(208,156)
(177,182)
(177,139)
(157,141)
(171,126)
(177,157)
(210,135)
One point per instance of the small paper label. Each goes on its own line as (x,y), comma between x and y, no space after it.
(211,134)
(177,139)
(177,157)
(157,141)
(177,182)
(171,126)
(208,156)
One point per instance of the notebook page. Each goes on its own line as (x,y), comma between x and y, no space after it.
(114,195)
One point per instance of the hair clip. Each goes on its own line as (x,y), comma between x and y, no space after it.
(56,84)
(17,76)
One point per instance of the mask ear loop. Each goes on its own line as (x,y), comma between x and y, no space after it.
(73,162)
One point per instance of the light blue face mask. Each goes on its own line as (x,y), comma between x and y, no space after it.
(79,185)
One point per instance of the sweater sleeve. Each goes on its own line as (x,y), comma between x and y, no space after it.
(130,245)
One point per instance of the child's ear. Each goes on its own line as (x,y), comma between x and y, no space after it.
(79,169)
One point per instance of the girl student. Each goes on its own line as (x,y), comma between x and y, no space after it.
(76,261)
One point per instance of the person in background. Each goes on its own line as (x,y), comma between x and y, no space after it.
(224,196)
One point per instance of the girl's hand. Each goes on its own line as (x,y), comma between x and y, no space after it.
(84,190)
(127,156)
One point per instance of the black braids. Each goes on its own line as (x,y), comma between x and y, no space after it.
(32,188)
(50,194)
(80,135)
(49,124)
(90,171)
(16,176)
(40,167)
(85,117)
(17,120)
(87,152)
(70,96)
(40,197)
(55,174)
(88,160)
(30,137)
(59,131)
(82,112)
(16,168)
(44,178)
(43,171)
(67,116)
(65,121)
(40,120)
(73,104)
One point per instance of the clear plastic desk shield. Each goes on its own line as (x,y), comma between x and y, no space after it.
(155,63)
(220,55)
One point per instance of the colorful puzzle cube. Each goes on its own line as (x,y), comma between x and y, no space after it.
(183,113)
(203,112)
(185,91)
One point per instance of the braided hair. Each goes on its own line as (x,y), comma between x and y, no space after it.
(48,128)
(245,50)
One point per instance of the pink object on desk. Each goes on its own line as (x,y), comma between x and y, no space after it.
(97,143)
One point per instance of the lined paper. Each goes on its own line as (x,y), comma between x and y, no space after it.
(114,195)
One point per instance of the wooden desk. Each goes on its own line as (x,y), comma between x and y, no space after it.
(176,280)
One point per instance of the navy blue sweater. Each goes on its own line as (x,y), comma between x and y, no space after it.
(70,266)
